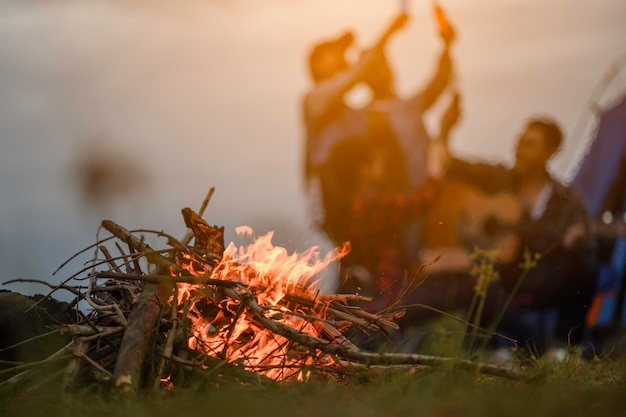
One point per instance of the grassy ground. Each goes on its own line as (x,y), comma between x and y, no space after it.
(570,388)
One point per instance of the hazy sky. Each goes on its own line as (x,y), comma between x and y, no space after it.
(207,93)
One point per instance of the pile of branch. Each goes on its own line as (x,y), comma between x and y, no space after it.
(157,318)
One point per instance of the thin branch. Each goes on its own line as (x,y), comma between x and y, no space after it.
(371,357)
(32,339)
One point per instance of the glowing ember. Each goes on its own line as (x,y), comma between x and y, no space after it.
(222,326)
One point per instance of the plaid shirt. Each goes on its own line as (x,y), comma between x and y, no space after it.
(377,223)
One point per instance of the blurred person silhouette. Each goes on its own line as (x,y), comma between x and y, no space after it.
(366,168)
(534,223)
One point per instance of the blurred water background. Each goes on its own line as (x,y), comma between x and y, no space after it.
(178,97)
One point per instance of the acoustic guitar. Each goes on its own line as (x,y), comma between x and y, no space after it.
(463,217)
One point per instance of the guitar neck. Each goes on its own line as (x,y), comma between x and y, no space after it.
(610,230)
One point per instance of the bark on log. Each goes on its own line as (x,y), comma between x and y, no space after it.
(143,320)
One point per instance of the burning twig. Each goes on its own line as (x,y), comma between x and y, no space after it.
(372,358)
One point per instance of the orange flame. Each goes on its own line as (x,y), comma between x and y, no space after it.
(222,326)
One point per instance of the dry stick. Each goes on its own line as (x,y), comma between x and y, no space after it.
(105,335)
(343,298)
(142,321)
(340,312)
(411,286)
(371,317)
(459,320)
(95,329)
(189,233)
(47,284)
(128,260)
(123,255)
(184,353)
(109,258)
(213,363)
(32,339)
(313,318)
(171,336)
(136,265)
(29,365)
(74,366)
(338,337)
(114,308)
(168,279)
(98,242)
(86,330)
(96,365)
(370,357)
(112,288)
(42,381)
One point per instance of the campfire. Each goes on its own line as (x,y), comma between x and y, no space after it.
(159,318)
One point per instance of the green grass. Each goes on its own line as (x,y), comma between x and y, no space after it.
(571,388)
(567,389)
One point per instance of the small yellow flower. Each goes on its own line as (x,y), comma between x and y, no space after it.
(483,268)
(530,260)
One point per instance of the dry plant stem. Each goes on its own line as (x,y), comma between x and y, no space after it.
(459,320)
(477,318)
(65,281)
(354,366)
(29,365)
(13,381)
(99,242)
(370,358)
(42,381)
(410,287)
(47,284)
(236,371)
(508,301)
(32,339)
(142,321)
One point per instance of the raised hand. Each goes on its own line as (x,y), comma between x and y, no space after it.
(446,30)
(398,23)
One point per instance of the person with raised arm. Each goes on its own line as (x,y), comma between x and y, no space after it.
(366,167)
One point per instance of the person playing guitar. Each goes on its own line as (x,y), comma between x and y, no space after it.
(540,216)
